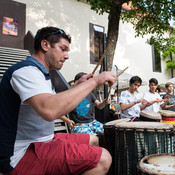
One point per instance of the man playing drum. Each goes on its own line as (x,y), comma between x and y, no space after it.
(155,101)
(130,102)
(29,106)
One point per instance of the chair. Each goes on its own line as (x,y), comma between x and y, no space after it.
(61,126)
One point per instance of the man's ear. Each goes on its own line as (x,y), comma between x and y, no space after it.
(45,45)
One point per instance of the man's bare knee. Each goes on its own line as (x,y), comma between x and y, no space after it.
(94,140)
(102,166)
(105,160)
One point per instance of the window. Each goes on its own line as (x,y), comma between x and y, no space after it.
(10,56)
(156,60)
(96,42)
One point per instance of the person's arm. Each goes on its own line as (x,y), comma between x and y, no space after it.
(169,106)
(70,123)
(127,106)
(51,107)
(144,104)
(102,104)
(149,103)
(166,99)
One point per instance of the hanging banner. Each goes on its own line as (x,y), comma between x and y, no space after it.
(10,26)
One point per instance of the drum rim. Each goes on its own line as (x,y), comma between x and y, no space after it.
(140,126)
(167,113)
(125,124)
(144,114)
(143,169)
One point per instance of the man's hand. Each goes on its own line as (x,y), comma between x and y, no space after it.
(139,101)
(144,104)
(82,79)
(167,98)
(108,77)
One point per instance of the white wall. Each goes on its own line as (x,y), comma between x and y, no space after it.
(74,17)
(137,54)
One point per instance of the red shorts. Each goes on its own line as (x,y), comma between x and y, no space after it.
(65,154)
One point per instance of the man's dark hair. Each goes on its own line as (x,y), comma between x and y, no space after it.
(135,79)
(51,34)
(153,80)
(79,75)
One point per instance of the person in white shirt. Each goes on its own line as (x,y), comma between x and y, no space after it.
(130,102)
(156,103)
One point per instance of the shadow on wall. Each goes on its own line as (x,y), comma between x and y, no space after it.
(29,42)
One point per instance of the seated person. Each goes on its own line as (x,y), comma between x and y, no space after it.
(83,115)
(171,103)
(130,102)
(156,103)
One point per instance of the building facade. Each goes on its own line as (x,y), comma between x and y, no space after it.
(83,24)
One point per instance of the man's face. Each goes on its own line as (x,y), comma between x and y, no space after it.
(134,86)
(57,55)
(170,88)
(152,87)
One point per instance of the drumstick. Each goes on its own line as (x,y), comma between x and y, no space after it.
(118,74)
(121,72)
(101,59)
(133,119)
(109,92)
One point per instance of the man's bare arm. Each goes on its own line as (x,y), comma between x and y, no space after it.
(50,106)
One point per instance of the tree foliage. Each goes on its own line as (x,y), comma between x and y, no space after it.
(150,16)
(147,16)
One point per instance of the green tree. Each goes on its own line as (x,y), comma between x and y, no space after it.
(167,47)
(147,17)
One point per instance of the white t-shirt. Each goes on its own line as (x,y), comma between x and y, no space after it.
(126,97)
(27,82)
(151,97)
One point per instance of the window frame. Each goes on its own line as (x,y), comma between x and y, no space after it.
(154,60)
(96,30)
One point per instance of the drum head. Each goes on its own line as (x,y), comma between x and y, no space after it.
(114,122)
(150,115)
(167,113)
(158,164)
(144,125)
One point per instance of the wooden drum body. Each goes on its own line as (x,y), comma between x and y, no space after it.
(128,142)
(157,164)
(168,116)
(150,116)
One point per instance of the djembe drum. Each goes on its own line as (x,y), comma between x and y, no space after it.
(168,116)
(128,142)
(157,164)
(150,116)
